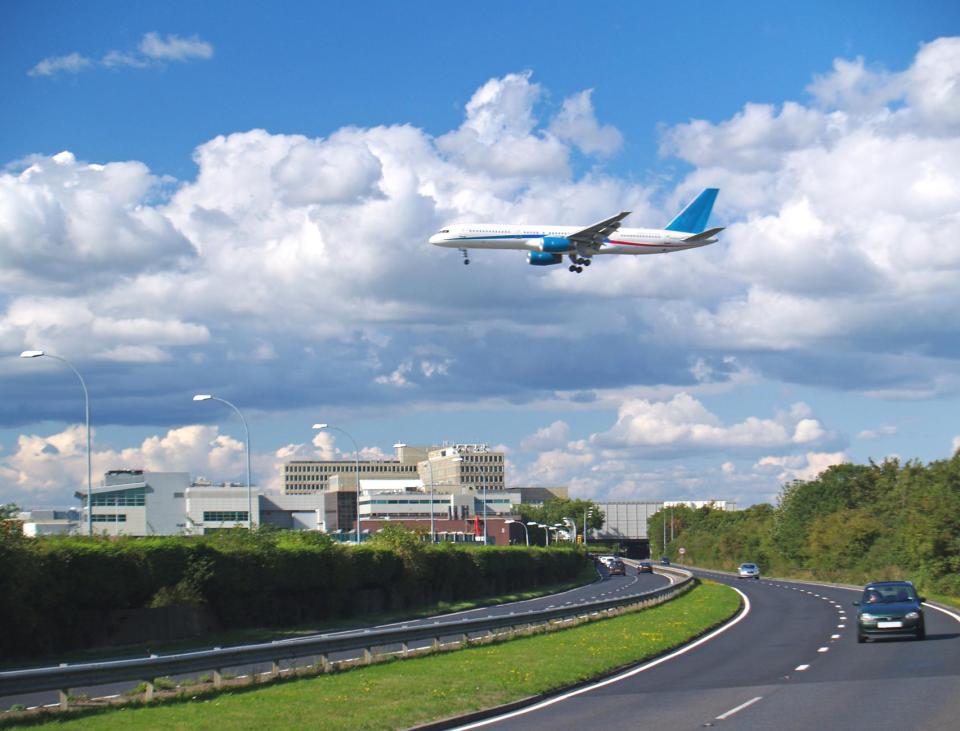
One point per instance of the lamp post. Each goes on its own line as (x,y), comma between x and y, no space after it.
(356,462)
(246,431)
(663,522)
(586,513)
(532,524)
(86,412)
(546,532)
(526,533)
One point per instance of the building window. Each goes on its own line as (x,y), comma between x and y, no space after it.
(225,516)
(121,498)
(109,518)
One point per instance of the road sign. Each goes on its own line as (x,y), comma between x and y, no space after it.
(682,551)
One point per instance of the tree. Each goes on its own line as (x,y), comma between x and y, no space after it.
(554,511)
(10,510)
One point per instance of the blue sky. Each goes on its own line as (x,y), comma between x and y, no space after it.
(235,197)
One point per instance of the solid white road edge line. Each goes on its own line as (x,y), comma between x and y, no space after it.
(729,713)
(617,678)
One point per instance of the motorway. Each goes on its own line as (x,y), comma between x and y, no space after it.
(791,661)
(606,587)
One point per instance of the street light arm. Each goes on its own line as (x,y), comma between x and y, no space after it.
(246,432)
(86,415)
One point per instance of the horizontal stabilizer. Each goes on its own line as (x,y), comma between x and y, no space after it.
(708,234)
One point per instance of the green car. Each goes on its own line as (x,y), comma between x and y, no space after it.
(890,609)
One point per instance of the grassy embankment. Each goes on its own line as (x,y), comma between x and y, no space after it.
(253,635)
(400,694)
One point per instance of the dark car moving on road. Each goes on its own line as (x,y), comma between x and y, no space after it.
(617,568)
(644,567)
(890,609)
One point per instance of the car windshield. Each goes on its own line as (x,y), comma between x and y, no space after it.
(748,566)
(888,594)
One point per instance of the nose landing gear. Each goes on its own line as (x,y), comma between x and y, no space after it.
(466,256)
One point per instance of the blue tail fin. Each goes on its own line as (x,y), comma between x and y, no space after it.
(693,219)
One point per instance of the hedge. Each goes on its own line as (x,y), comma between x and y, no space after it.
(57,593)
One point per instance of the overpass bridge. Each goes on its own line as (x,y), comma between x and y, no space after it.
(626,521)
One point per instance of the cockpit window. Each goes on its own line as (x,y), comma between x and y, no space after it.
(444,230)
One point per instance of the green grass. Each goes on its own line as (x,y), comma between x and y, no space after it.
(267,634)
(400,694)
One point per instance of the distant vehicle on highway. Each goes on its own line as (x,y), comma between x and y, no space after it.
(617,568)
(664,561)
(748,571)
(644,567)
(607,560)
(890,609)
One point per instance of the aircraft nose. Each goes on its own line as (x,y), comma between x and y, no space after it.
(436,239)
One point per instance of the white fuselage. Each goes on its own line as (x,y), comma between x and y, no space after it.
(530,238)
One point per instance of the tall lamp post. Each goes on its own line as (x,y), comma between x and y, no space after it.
(356,463)
(86,411)
(526,533)
(246,432)
(586,514)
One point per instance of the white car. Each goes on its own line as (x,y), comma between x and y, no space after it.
(748,571)
(607,560)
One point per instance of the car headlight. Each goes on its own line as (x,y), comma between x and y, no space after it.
(912,615)
(866,616)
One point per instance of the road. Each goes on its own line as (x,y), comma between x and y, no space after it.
(791,662)
(605,587)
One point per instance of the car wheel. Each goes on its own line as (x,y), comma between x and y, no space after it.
(922,633)
(861,639)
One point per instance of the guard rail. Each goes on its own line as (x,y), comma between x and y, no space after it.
(65,677)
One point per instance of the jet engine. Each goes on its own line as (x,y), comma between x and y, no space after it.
(556,244)
(540,259)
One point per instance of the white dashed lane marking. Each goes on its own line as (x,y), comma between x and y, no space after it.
(739,708)
(801,668)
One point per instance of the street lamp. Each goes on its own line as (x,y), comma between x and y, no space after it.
(246,431)
(86,411)
(532,524)
(586,513)
(522,525)
(546,531)
(356,461)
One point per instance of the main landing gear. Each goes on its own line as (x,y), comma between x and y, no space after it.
(579,262)
(466,256)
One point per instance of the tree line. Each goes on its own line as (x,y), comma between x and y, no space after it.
(853,523)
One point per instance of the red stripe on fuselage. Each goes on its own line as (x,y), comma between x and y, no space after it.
(630,243)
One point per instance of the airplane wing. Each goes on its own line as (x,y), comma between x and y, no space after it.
(708,234)
(595,234)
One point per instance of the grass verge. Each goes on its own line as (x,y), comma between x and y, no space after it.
(401,694)
(267,634)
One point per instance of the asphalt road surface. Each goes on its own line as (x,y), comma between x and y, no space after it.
(606,587)
(791,662)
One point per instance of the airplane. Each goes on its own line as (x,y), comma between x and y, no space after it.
(547,245)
